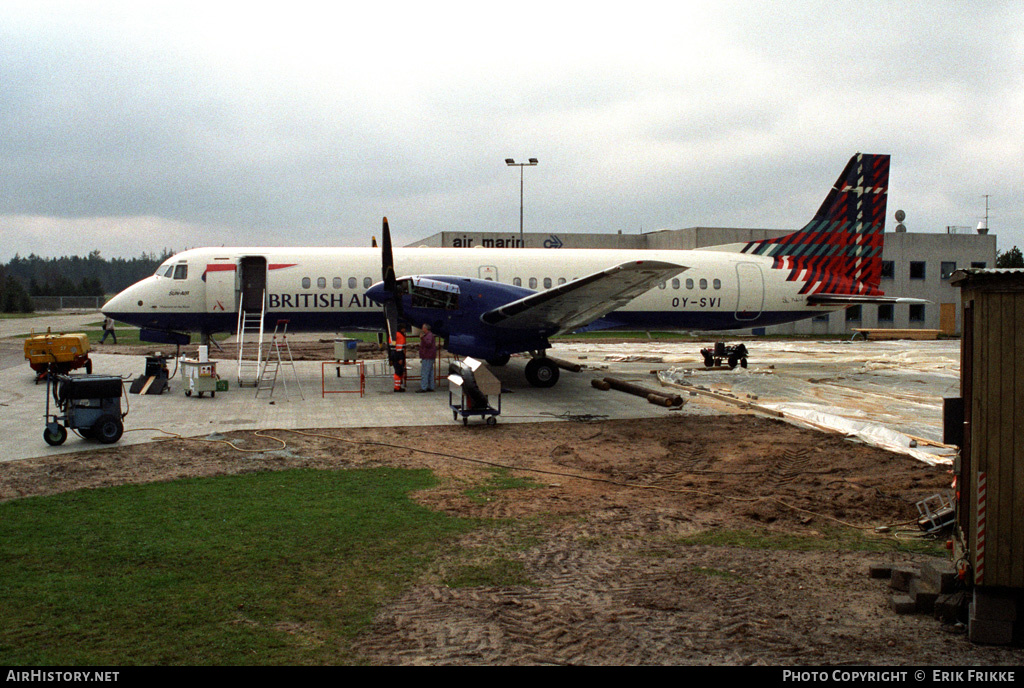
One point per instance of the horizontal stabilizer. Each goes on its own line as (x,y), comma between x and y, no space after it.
(570,306)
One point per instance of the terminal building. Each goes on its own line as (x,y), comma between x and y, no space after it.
(914,264)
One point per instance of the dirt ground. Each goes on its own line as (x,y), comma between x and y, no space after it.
(599,536)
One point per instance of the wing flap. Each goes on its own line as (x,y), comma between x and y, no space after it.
(572,305)
(857,299)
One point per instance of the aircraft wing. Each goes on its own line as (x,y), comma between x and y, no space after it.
(572,305)
(857,299)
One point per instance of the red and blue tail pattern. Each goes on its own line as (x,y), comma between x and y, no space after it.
(840,250)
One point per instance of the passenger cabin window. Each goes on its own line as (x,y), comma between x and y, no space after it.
(517,281)
(662,285)
(689,283)
(367,283)
(533,283)
(352,283)
(717,284)
(703,283)
(306,283)
(321,282)
(180,271)
(336,283)
(675,282)
(561,280)
(547,282)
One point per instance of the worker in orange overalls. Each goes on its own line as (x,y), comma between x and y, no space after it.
(397,357)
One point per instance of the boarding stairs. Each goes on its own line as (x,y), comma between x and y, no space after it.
(279,356)
(250,344)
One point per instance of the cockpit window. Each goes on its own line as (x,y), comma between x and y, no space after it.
(181,271)
(165,270)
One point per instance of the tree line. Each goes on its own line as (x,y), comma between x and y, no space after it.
(92,275)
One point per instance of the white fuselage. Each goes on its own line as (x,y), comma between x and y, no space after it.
(323,289)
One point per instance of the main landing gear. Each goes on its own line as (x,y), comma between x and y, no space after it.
(540,372)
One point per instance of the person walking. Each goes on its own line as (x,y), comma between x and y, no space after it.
(108,329)
(428,352)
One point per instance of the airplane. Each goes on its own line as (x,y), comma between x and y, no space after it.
(492,303)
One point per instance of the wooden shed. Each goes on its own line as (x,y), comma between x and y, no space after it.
(989,534)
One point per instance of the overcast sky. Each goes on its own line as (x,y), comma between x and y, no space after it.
(135,126)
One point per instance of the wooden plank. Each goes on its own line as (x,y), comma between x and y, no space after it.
(882,334)
(1003,438)
(1017,422)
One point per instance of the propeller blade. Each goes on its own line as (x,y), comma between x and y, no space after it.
(387,258)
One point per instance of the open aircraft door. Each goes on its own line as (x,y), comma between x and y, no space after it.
(750,296)
(253,283)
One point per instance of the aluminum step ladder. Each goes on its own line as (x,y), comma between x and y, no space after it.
(250,343)
(274,361)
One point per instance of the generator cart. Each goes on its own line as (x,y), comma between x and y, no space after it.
(87,404)
(57,353)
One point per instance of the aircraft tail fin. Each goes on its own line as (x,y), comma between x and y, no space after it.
(840,249)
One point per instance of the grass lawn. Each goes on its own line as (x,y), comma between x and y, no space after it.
(265,568)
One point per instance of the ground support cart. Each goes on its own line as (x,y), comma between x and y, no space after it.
(199,377)
(722,352)
(467,407)
(474,384)
(57,353)
(88,404)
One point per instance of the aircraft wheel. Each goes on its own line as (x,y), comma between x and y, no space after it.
(55,438)
(499,360)
(540,372)
(108,429)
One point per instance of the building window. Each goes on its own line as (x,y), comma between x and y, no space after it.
(888,269)
(947,269)
(885,313)
(917,269)
(917,312)
(979,264)
(853,314)
(821,318)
